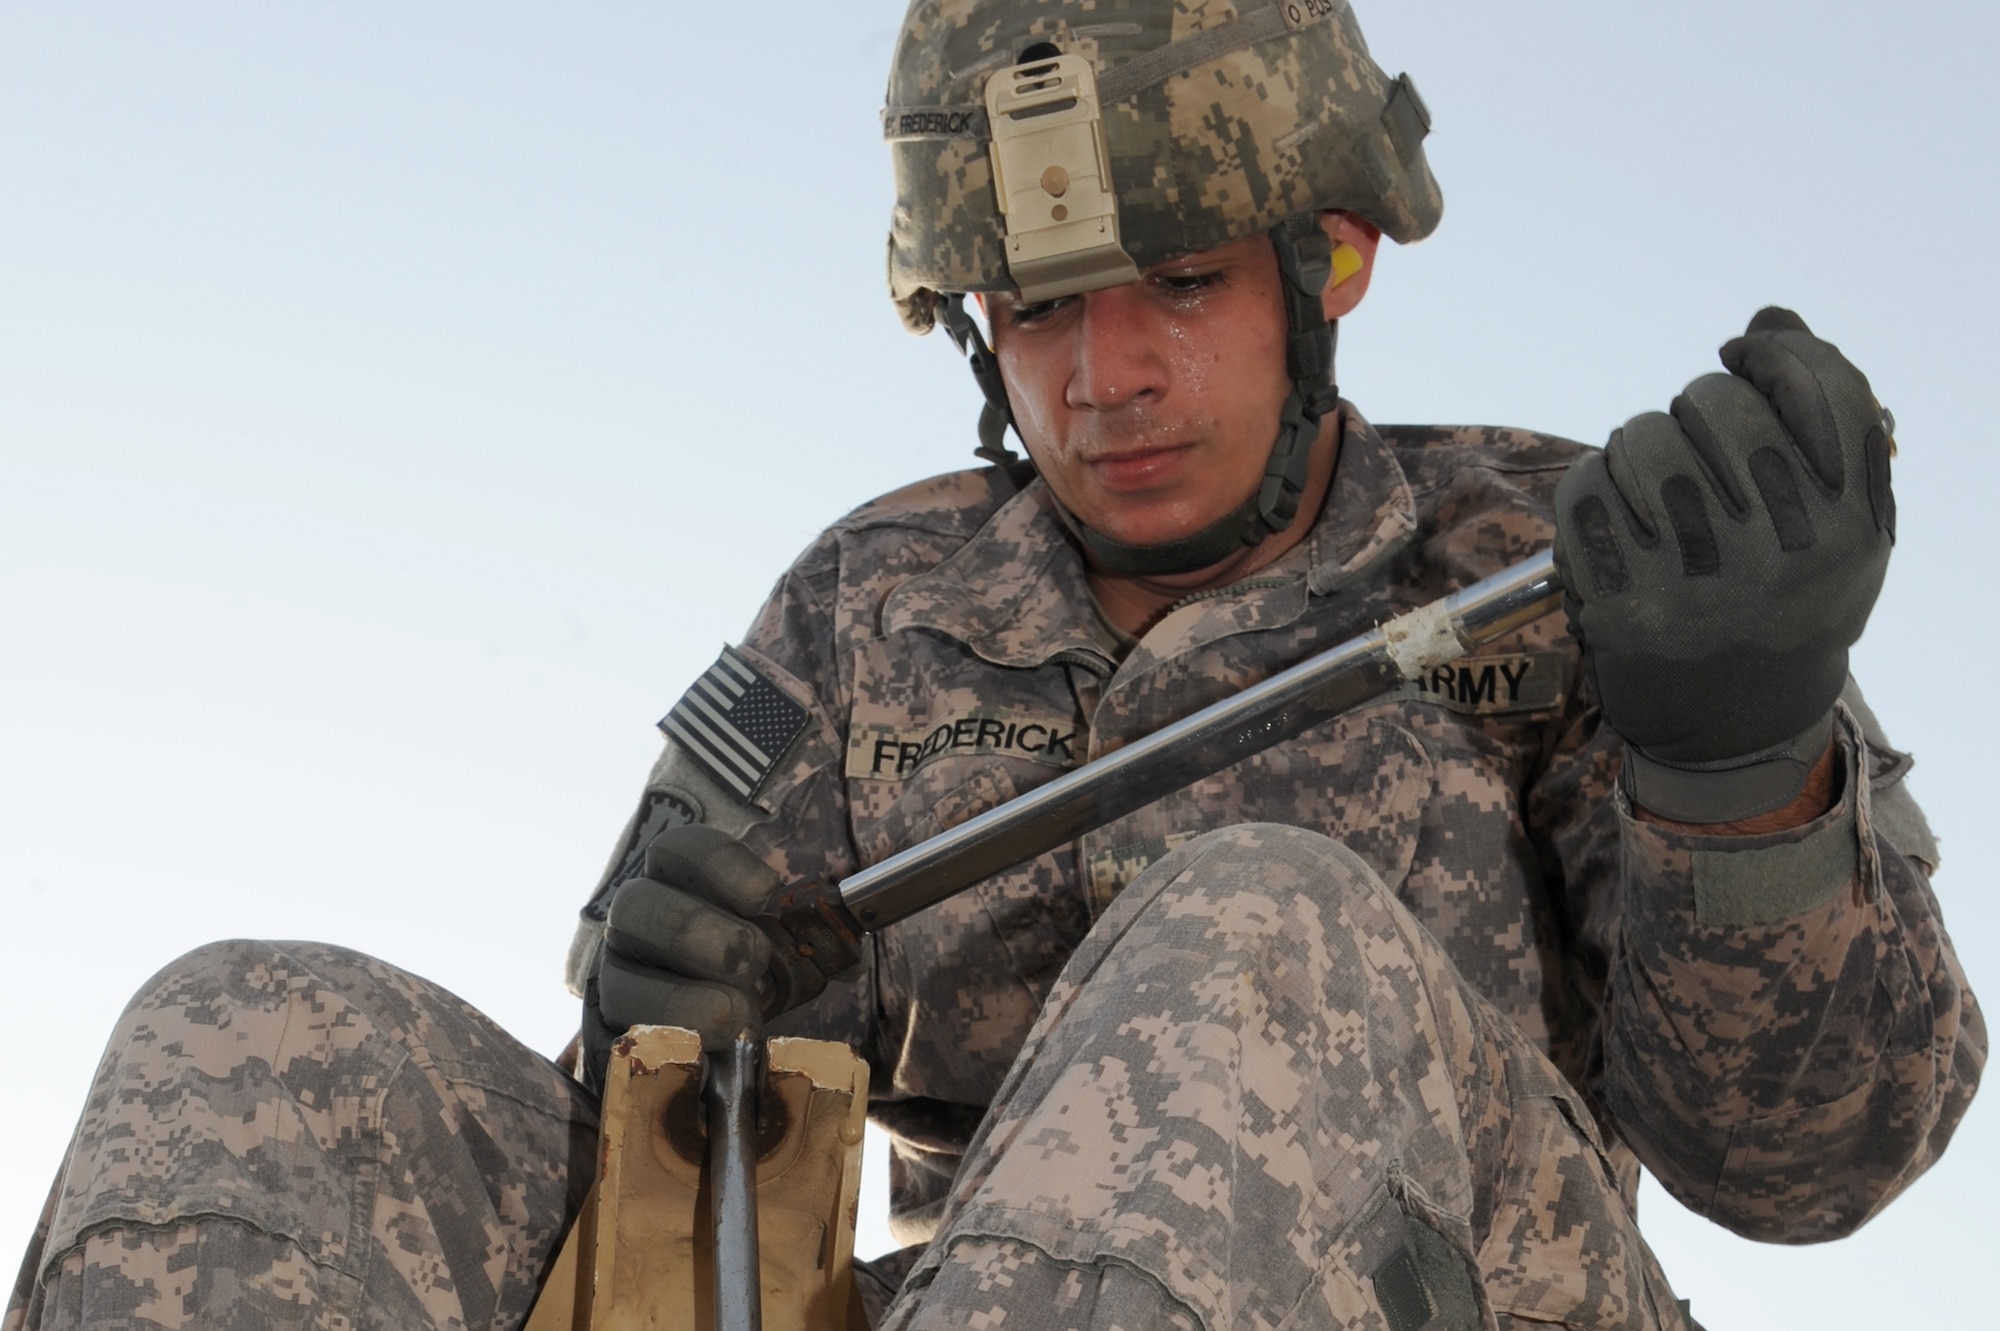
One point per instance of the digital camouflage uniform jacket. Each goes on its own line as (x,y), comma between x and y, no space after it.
(1776,1025)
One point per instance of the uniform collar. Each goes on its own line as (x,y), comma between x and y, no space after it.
(1370,513)
(1016,595)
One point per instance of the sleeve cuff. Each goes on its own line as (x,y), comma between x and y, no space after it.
(1758,880)
(1724,792)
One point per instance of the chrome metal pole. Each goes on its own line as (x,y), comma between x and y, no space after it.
(1200,745)
(735,1080)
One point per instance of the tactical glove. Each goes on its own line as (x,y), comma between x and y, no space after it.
(1719,561)
(678,950)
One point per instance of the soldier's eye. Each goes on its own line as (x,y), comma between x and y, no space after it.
(1187,284)
(1022,315)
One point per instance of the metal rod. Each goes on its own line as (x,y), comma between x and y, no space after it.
(1200,745)
(735,1078)
(1210,740)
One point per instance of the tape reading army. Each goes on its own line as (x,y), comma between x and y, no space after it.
(1487,685)
(882,753)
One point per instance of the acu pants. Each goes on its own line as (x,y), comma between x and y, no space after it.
(1259,1097)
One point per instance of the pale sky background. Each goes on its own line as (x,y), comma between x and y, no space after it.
(400,404)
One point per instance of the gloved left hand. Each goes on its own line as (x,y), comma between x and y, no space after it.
(1719,561)
(679,946)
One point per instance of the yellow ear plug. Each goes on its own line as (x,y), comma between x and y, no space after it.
(1347,261)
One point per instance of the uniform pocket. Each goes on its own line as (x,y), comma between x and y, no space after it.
(1561,1247)
(1360,779)
(1771,1188)
(1382,830)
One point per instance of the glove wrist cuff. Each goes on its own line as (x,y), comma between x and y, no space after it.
(1729,790)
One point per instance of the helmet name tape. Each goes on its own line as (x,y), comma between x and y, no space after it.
(1052,177)
(900,124)
(1299,13)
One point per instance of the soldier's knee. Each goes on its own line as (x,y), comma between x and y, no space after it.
(226,964)
(202,969)
(1265,896)
(1262,857)
(241,990)
(242,1002)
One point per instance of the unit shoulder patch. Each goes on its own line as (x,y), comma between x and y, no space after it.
(735,724)
(1493,685)
(878,752)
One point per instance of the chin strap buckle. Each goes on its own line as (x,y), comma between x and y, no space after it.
(1305,265)
(998,413)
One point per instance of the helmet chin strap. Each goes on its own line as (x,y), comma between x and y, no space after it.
(1305,265)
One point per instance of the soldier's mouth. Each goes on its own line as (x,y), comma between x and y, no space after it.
(1148,467)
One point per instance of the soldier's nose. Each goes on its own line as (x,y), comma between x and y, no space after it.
(1116,360)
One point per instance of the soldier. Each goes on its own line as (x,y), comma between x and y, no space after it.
(1370,1030)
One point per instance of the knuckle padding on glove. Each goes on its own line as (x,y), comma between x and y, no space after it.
(1779,489)
(1735,639)
(1725,418)
(1592,519)
(1714,413)
(1773,365)
(714,866)
(630,995)
(1634,495)
(1701,553)
(1651,463)
(665,927)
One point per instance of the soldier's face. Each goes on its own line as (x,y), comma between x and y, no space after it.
(1150,408)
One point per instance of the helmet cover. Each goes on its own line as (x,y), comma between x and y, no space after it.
(1220,117)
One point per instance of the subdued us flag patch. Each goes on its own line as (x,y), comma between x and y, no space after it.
(735,723)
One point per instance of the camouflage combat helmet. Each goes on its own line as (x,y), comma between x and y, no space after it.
(1054,148)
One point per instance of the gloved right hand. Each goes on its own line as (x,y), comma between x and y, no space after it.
(1718,562)
(678,948)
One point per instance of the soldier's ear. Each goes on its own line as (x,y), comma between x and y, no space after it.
(983,301)
(1355,241)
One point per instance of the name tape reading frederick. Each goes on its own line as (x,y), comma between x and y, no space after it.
(888,753)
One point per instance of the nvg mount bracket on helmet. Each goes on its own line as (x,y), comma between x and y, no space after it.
(1052,178)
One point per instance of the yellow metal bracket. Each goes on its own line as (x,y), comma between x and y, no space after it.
(638,1258)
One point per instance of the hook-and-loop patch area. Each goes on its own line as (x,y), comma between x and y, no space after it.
(735,723)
